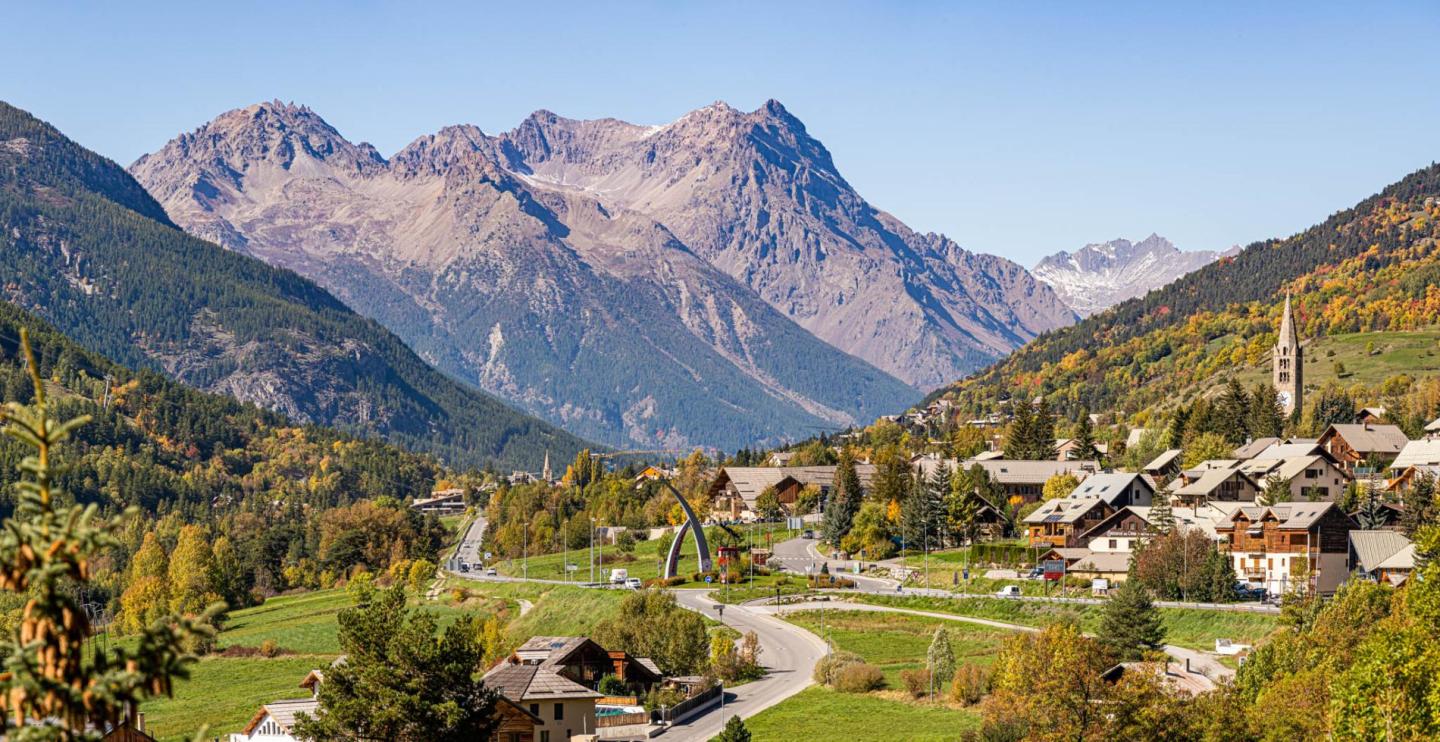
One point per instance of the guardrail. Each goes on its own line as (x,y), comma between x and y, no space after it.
(685,708)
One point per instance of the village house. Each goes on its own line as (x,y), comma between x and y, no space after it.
(1120,532)
(1165,466)
(1312,477)
(1422,455)
(735,489)
(1290,545)
(1062,521)
(563,707)
(1382,556)
(1253,448)
(442,502)
(1223,483)
(1363,444)
(1117,489)
(1370,415)
(1016,478)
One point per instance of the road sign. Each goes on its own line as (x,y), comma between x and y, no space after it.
(487,555)
(571,567)
(709,579)
(794,524)
(1054,569)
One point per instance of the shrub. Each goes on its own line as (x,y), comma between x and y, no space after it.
(859,678)
(971,683)
(830,665)
(460,594)
(917,682)
(612,686)
(269,648)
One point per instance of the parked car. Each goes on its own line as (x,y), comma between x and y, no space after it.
(1245,592)
(619,576)
(1009,591)
(1035,573)
(808,534)
(490,572)
(634,583)
(464,567)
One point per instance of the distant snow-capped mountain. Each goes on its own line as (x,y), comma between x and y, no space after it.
(1101,275)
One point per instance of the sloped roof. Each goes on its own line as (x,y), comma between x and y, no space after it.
(1022,471)
(283,712)
(1364,438)
(1373,548)
(750,481)
(1251,449)
(1286,469)
(1165,459)
(1107,486)
(1063,510)
(1402,559)
(1291,515)
(1424,452)
(533,683)
(1103,561)
(1290,450)
(1209,481)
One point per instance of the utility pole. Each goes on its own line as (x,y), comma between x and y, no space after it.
(592,551)
(525,552)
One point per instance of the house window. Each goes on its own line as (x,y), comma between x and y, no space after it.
(559,711)
(544,735)
(513,736)
(1113,543)
(535,709)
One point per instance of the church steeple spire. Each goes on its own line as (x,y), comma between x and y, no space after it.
(545,470)
(1288,374)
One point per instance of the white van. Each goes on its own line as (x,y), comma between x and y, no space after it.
(1009,591)
(618,576)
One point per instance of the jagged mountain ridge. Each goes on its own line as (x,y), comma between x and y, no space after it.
(1103,274)
(84,246)
(592,315)
(761,199)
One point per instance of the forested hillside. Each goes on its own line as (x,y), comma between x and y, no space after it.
(274,506)
(1369,268)
(83,245)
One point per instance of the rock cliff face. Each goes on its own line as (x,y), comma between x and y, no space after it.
(1101,275)
(83,245)
(713,281)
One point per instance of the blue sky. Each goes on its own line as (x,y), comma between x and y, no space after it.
(1015,128)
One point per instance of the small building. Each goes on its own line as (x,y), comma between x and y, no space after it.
(442,502)
(1311,477)
(1166,466)
(1370,415)
(1117,489)
(1121,532)
(735,489)
(1355,445)
(1025,479)
(1113,566)
(1423,454)
(1177,676)
(1219,484)
(1290,545)
(1383,556)
(565,708)
(1060,522)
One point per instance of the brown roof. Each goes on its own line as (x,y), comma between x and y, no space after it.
(1022,471)
(1365,438)
(533,683)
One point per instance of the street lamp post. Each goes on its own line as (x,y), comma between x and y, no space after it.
(592,551)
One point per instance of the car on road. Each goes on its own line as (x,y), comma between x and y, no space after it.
(808,534)
(1244,592)
(490,572)
(619,576)
(634,583)
(464,567)
(1008,591)
(1035,573)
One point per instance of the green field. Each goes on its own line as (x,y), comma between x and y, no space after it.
(224,692)
(1414,353)
(1185,627)
(896,641)
(644,561)
(815,715)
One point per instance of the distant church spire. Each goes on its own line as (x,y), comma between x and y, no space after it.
(545,470)
(1289,363)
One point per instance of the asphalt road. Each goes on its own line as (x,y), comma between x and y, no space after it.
(469,549)
(788,652)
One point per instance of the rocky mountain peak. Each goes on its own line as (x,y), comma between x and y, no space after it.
(1102,274)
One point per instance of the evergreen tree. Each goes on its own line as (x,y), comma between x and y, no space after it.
(1371,515)
(1162,518)
(1222,577)
(1276,491)
(1175,431)
(936,490)
(1233,413)
(1043,446)
(1267,417)
(400,680)
(1332,406)
(1131,624)
(1085,439)
(1419,504)
(845,496)
(734,731)
(913,512)
(1020,435)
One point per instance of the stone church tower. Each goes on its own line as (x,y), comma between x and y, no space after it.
(1288,376)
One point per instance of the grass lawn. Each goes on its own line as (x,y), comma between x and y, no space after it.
(895,641)
(1185,627)
(819,714)
(644,561)
(224,692)
(1415,353)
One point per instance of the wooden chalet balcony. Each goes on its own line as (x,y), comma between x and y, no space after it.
(1052,540)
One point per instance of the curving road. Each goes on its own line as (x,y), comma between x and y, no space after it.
(788,652)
